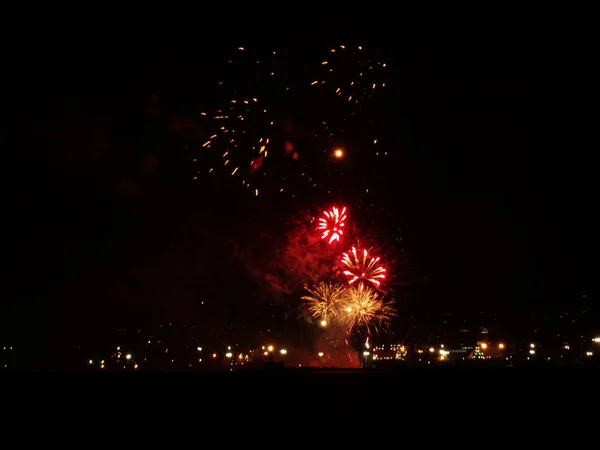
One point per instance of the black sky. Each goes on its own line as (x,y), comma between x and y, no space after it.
(490,186)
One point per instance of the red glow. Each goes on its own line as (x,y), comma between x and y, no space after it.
(332,224)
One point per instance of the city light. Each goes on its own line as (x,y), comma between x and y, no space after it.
(381,352)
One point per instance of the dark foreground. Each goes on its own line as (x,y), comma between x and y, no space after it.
(331,392)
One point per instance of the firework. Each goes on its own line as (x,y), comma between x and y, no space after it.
(332,224)
(324,301)
(362,267)
(362,308)
(243,133)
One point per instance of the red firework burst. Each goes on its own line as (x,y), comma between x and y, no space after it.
(362,267)
(332,224)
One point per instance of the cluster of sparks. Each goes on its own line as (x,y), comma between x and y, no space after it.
(244,135)
(363,308)
(332,224)
(356,305)
(351,308)
(362,267)
(323,302)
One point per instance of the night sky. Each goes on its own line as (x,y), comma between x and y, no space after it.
(485,198)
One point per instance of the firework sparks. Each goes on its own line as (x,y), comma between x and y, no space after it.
(332,224)
(363,267)
(324,301)
(362,308)
(238,135)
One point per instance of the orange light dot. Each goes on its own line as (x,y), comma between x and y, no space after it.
(338,153)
